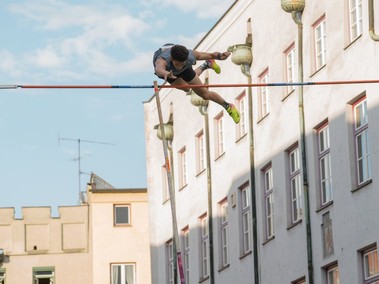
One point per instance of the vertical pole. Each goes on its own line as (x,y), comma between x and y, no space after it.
(203,111)
(79,173)
(170,188)
(297,18)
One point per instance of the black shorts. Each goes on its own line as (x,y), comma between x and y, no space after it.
(187,75)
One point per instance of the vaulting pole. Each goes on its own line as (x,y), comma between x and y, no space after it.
(170,188)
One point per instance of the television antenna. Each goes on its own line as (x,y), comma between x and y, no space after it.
(79,157)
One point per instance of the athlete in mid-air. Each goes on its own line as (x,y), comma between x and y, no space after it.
(173,63)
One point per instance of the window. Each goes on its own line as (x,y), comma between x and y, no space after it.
(224,247)
(123,273)
(245,220)
(204,239)
(355,19)
(43,275)
(242,105)
(182,167)
(295,185)
(121,215)
(200,152)
(289,54)
(332,275)
(186,251)
(170,262)
(361,141)
(319,43)
(325,172)
(264,99)
(2,276)
(219,135)
(166,193)
(370,266)
(269,202)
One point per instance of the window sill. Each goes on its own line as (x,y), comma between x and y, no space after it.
(241,137)
(183,187)
(200,172)
(223,268)
(246,254)
(287,95)
(361,185)
(262,118)
(294,224)
(353,41)
(203,279)
(220,156)
(322,207)
(268,240)
(318,70)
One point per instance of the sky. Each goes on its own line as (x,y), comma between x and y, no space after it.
(82,42)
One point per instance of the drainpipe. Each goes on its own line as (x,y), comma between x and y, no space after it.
(296,16)
(245,62)
(203,111)
(371,18)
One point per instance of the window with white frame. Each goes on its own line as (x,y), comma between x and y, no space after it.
(289,54)
(245,220)
(370,266)
(319,31)
(121,214)
(242,105)
(324,158)
(43,275)
(204,240)
(332,274)
(182,163)
(200,152)
(170,262)
(186,254)
(269,202)
(361,141)
(224,221)
(165,189)
(295,185)
(2,276)
(264,96)
(355,18)
(123,273)
(219,135)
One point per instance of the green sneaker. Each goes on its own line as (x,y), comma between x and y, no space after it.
(213,65)
(234,113)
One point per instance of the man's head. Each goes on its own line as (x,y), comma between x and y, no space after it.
(179,53)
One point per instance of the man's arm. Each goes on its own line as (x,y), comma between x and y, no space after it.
(160,69)
(200,55)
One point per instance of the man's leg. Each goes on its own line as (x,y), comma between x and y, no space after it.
(180,81)
(215,97)
(208,64)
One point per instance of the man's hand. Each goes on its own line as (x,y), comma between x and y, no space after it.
(169,75)
(223,55)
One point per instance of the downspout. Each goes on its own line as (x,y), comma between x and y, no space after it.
(371,18)
(297,18)
(246,71)
(203,111)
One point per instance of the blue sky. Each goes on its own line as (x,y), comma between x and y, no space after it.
(96,42)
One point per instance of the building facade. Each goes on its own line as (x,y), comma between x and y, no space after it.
(283,198)
(103,240)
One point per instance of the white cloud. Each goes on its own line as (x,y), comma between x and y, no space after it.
(202,9)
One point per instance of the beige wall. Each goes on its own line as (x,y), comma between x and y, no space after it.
(120,244)
(81,244)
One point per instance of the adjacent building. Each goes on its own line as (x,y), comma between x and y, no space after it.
(103,240)
(248,210)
